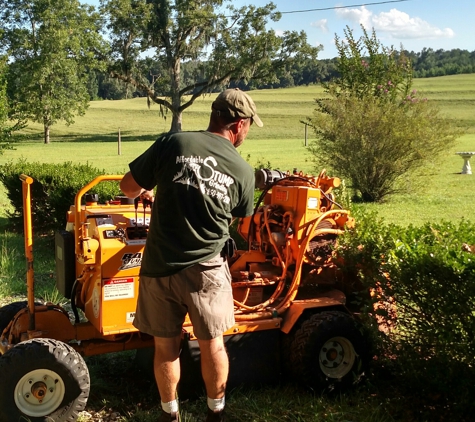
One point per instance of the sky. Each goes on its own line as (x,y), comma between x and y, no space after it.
(412,24)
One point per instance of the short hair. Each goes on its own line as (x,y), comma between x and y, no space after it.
(222,119)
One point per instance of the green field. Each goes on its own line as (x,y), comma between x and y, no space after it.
(439,193)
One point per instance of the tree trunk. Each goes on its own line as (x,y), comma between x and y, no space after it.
(175,73)
(46,133)
(176,122)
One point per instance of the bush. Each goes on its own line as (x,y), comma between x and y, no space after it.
(373,130)
(374,145)
(424,286)
(53,191)
(423,302)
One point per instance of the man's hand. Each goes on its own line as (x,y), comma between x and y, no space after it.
(147,195)
(132,189)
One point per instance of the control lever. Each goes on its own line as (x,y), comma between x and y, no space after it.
(136,206)
(146,203)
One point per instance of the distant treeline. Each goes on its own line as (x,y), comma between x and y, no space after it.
(427,63)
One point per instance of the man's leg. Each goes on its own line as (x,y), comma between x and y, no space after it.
(214,366)
(166,366)
(211,310)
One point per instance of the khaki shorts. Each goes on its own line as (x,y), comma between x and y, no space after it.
(202,290)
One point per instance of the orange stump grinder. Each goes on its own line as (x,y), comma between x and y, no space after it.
(290,299)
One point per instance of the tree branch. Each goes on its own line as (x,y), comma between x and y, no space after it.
(150,92)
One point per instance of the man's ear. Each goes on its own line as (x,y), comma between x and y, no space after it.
(238,125)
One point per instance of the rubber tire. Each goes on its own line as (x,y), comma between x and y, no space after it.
(307,349)
(7,313)
(50,356)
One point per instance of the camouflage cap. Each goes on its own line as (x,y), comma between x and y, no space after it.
(238,104)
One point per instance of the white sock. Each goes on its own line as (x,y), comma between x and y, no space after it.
(170,407)
(216,405)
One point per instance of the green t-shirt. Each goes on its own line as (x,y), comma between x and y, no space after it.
(202,183)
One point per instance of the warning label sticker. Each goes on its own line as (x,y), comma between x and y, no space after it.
(312,203)
(119,288)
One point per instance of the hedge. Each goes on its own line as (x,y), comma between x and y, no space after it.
(53,191)
(423,280)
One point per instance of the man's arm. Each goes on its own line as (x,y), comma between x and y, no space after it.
(132,189)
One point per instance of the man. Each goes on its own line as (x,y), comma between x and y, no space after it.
(202,183)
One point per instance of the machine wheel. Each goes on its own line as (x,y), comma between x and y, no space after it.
(329,351)
(7,313)
(42,380)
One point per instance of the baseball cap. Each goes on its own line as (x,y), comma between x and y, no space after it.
(238,104)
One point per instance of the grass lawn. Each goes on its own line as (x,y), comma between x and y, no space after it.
(440,192)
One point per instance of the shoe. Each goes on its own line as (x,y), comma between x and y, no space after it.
(169,417)
(215,416)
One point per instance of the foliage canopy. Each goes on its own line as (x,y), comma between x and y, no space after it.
(50,45)
(219,44)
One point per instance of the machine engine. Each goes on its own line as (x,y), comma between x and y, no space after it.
(290,238)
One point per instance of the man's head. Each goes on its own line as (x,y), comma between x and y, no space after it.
(236,104)
(232,113)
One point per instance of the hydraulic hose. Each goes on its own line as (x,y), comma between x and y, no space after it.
(312,231)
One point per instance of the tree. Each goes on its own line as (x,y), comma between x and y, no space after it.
(372,129)
(50,45)
(6,127)
(227,44)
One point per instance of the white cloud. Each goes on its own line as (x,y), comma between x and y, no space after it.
(322,24)
(395,23)
(361,16)
(279,32)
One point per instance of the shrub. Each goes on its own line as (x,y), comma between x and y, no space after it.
(425,281)
(423,303)
(372,129)
(375,146)
(53,191)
